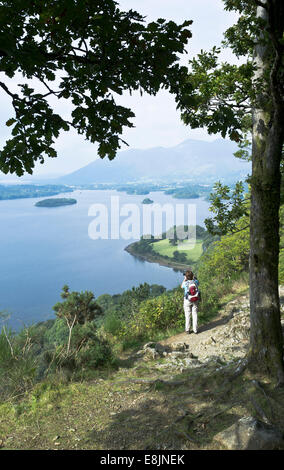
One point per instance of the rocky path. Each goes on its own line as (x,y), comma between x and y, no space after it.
(224,339)
(221,341)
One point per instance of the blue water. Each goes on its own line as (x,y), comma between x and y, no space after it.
(41,249)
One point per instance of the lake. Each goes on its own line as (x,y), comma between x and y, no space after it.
(44,248)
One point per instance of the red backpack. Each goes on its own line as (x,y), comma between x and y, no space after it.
(192,294)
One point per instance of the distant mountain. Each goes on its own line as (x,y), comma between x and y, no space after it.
(195,160)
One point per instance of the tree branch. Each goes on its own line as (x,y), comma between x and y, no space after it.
(51,92)
(13,95)
(81,59)
(9,342)
(240,230)
(260,4)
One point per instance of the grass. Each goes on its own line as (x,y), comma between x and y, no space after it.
(239,287)
(164,248)
(138,408)
(135,343)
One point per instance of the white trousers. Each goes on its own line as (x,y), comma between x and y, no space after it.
(190,310)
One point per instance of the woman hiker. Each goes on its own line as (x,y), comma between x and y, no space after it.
(190,303)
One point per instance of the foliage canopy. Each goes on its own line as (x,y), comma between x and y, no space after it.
(86,52)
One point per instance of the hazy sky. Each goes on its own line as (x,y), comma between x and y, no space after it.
(157,122)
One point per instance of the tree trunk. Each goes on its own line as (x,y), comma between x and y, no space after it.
(266,339)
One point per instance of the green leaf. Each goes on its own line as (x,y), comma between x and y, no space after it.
(10,122)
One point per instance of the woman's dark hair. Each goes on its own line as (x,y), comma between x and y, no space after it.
(189,275)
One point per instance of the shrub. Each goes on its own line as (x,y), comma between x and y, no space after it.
(159,313)
(112,324)
(18,365)
(58,333)
(90,350)
(87,351)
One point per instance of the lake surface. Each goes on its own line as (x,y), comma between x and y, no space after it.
(42,249)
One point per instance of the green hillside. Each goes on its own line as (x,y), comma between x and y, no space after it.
(164,248)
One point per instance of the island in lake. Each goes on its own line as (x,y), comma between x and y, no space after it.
(56,202)
(147,200)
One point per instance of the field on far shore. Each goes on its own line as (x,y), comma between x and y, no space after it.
(193,252)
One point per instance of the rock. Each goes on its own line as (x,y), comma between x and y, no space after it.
(178,354)
(249,433)
(151,353)
(192,356)
(192,362)
(162,349)
(149,345)
(140,353)
(179,347)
